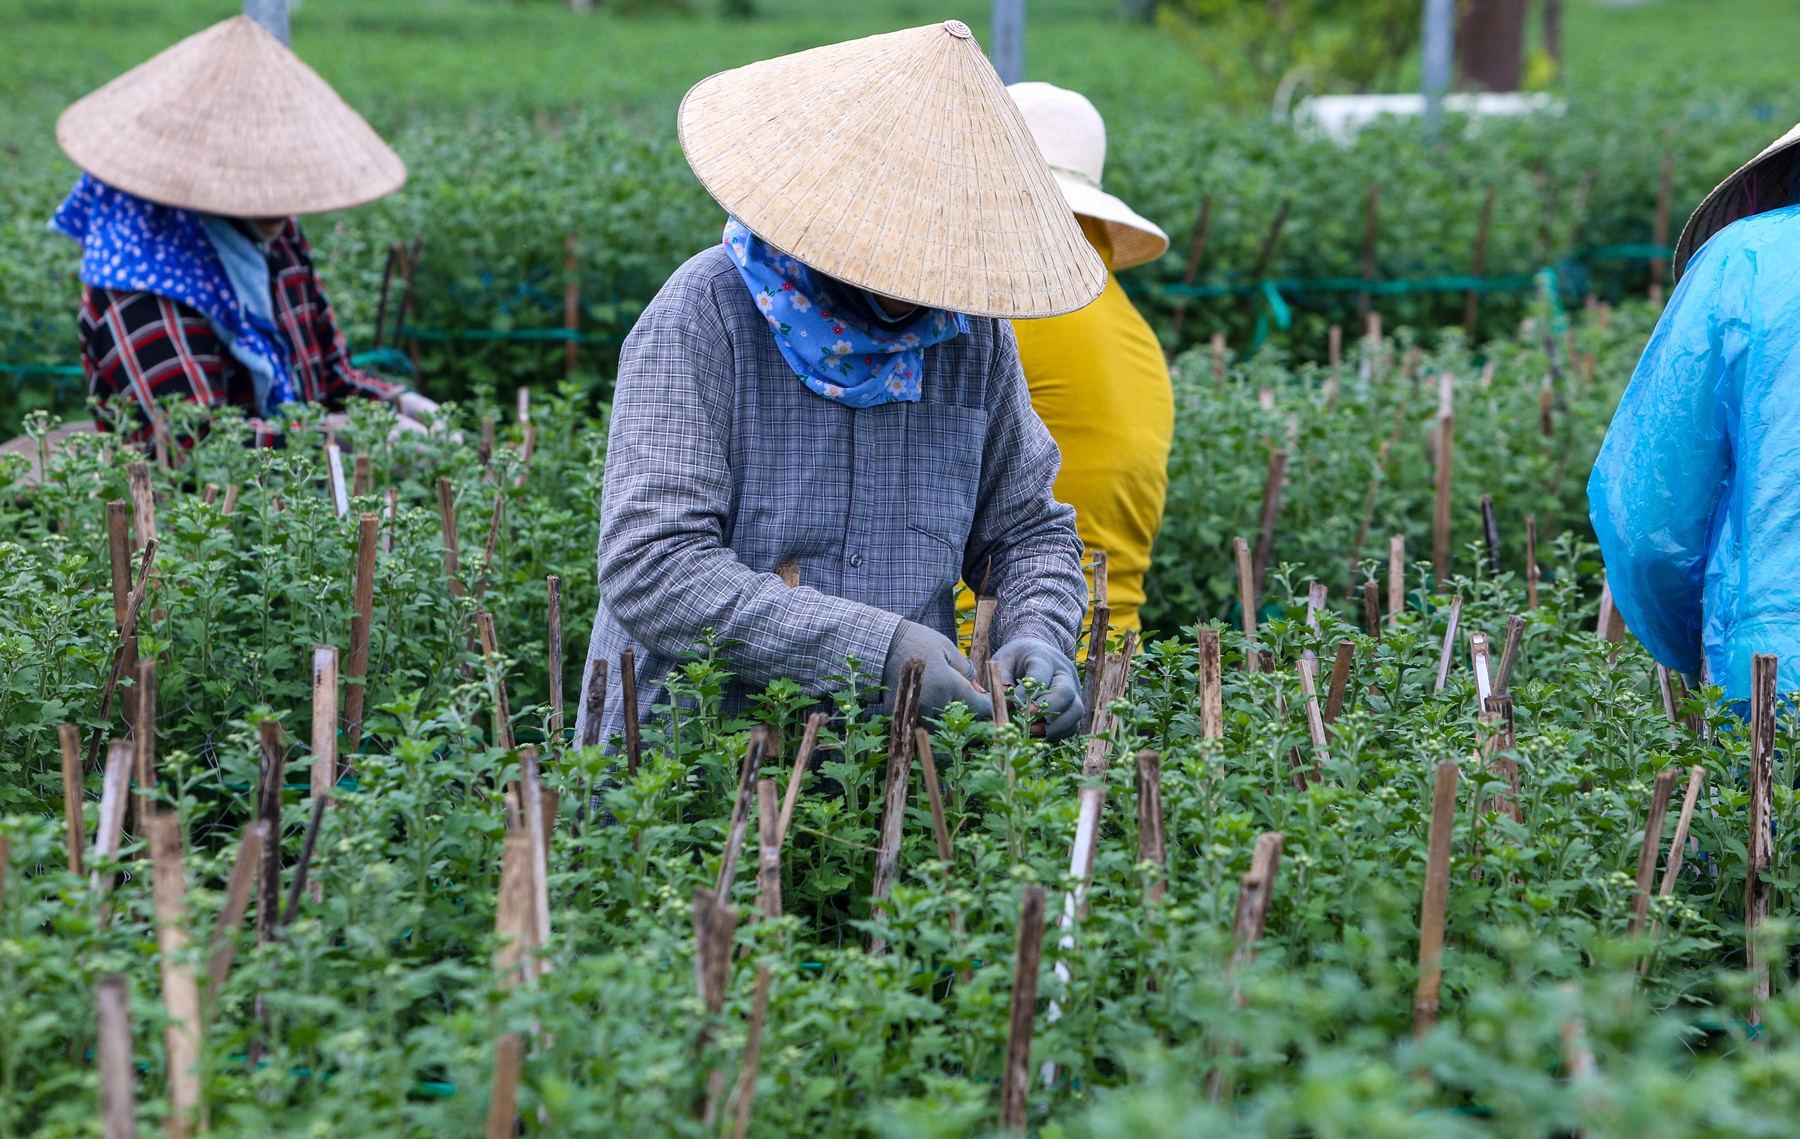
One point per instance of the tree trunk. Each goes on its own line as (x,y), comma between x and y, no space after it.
(1490,45)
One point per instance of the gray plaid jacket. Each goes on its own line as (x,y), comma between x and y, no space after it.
(721,465)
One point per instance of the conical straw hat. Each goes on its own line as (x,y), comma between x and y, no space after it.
(1766,182)
(1072,136)
(230,122)
(897,163)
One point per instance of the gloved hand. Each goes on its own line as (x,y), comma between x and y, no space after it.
(947,671)
(1062,708)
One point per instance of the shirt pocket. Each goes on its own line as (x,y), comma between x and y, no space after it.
(944,446)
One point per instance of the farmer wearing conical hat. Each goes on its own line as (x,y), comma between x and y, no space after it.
(196,281)
(1097,375)
(1695,496)
(835,387)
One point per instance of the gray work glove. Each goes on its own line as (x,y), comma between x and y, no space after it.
(947,671)
(1061,705)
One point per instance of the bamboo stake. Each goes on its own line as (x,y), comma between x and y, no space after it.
(527,448)
(1246,582)
(75,825)
(629,709)
(1015,1087)
(493,542)
(981,638)
(1340,681)
(1315,722)
(143,504)
(1611,626)
(769,843)
(905,718)
(1396,578)
(996,686)
(1496,747)
(553,586)
(230,503)
(1448,652)
(1654,818)
(1446,455)
(1758,845)
(1509,656)
(1437,899)
(513,922)
(490,652)
(324,720)
(362,479)
(594,701)
(1478,664)
(809,741)
(714,925)
(1191,267)
(1152,846)
(244,872)
(1477,264)
(109,831)
(754,753)
(144,751)
(181,996)
(1256,889)
(934,796)
(334,465)
(1372,609)
(447,522)
(268,810)
(1271,507)
(1531,562)
(484,451)
(1490,532)
(126,652)
(537,834)
(1212,699)
(298,886)
(118,1065)
(362,618)
(1678,845)
(119,551)
(503,1101)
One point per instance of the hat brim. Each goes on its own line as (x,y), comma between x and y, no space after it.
(1766,182)
(1136,240)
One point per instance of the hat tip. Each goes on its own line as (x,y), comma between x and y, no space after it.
(958,29)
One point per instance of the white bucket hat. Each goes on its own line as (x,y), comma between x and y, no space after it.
(229,121)
(895,163)
(1072,136)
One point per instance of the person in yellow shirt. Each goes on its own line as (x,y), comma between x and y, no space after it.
(1097,375)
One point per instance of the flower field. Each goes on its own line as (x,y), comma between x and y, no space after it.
(325,905)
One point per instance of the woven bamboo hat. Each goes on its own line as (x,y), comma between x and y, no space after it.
(1072,135)
(896,163)
(229,121)
(1766,182)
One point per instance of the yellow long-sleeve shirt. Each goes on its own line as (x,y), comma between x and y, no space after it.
(1098,381)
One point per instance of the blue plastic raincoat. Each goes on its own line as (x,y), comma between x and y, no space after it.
(1696,494)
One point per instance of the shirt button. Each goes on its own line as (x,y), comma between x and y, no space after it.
(855,560)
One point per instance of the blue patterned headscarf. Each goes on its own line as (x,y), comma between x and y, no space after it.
(838,354)
(135,245)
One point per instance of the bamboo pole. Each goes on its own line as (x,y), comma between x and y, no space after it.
(1315,721)
(769,900)
(1654,818)
(362,618)
(1478,664)
(537,829)
(934,797)
(981,637)
(324,720)
(996,686)
(362,480)
(1446,457)
(1436,900)
(493,543)
(109,830)
(503,1101)
(1212,698)
(447,522)
(181,995)
(490,652)
(307,845)
(1477,265)
(1271,508)
(1265,257)
(1531,562)
(754,753)
(1758,845)
(334,466)
(74,824)
(1447,654)
(1246,583)
(1509,656)
(230,503)
(1497,747)
(143,735)
(271,762)
(809,741)
(1340,681)
(594,703)
(125,654)
(714,926)
(905,718)
(1396,578)
(1191,267)
(1490,533)
(1678,846)
(118,1065)
(553,587)
(1372,609)
(143,504)
(119,551)
(629,708)
(1015,1085)
(1152,845)
(244,872)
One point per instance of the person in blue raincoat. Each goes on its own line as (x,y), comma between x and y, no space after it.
(1695,496)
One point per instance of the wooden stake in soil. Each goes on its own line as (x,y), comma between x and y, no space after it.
(714,925)
(493,542)
(1490,533)
(809,742)
(1247,595)
(74,824)
(1191,267)
(629,709)
(537,830)
(1646,868)
(594,701)
(1340,681)
(754,752)
(268,810)
(447,522)
(1496,746)
(996,687)
(905,719)
(334,467)
(1478,664)
(553,586)
(1448,652)
(1758,845)
(1015,1084)
(362,480)
(1152,847)
(490,651)
(119,550)
(981,637)
(118,1066)
(1437,899)
(109,831)
(1315,722)
(1217,348)
(1212,697)
(1678,845)
(1371,233)
(143,504)
(1477,264)
(1531,562)
(1446,455)
(143,735)
(181,995)
(244,872)
(230,503)
(362,617)
(1372,609)
(934,796)
(503,1101)
(1271,507)
(298,886)
(769,874)
(1509,656)
(324,720)
(1396,578)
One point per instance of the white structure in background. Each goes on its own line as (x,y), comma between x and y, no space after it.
(1339,117)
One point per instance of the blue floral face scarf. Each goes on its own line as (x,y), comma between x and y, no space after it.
(134,245)
(838,353)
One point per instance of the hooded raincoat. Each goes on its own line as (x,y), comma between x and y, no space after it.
(1695,496)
